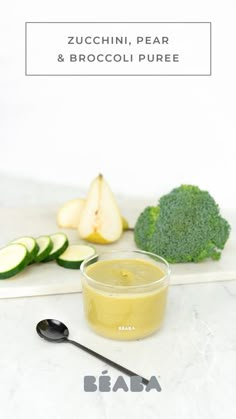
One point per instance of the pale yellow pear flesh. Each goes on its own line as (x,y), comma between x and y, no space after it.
(68,215)
(96,238)
(100,220)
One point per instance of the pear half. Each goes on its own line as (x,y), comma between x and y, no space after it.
(100,219)
(69,214)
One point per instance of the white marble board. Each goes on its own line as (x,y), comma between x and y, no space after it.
(45,279)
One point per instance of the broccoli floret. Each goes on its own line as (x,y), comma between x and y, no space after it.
(145,228)
(188,227)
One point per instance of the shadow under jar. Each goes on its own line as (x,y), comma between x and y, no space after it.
(124,293)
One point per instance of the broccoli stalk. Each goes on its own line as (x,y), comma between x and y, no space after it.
(186,226)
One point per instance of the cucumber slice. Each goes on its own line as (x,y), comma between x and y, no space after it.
(13,259)
(45,245)
(60,244)
(74,255)
(30,244)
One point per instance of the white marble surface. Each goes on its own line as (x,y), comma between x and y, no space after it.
(194,355)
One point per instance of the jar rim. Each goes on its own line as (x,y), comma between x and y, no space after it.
(126,287)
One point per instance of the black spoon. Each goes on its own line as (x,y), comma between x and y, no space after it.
(56,331)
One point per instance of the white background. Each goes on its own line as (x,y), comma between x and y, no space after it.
(147,135)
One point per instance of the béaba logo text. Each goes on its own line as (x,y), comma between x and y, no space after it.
(104,384)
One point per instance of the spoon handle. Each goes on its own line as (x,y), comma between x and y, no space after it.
(106,360)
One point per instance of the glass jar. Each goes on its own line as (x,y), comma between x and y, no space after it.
(130,308)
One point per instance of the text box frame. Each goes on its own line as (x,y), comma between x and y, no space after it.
(118,75)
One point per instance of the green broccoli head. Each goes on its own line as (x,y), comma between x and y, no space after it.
(188,228)
(146,227)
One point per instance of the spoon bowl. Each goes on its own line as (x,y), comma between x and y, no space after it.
(52,330)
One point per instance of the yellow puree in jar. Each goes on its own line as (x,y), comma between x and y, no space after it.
(124,314)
